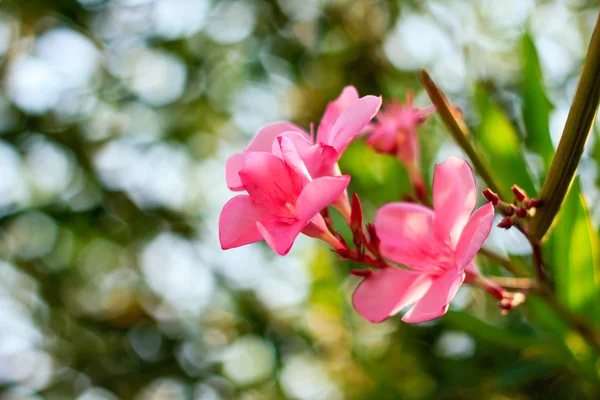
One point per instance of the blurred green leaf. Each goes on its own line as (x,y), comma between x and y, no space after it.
(501,144)
(484,331)
(379,178)
(525,371)
(572,253)
(536,106)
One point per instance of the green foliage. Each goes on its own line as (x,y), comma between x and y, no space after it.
(572,250)
(501,144)
(536,106)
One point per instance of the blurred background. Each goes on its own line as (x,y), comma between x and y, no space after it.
(116,118)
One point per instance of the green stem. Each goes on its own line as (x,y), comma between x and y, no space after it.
(574,321)
(460,133)
(575,134)
(507,264)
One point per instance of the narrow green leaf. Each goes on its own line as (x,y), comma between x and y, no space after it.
(572,246)
(501,144)
(536,106)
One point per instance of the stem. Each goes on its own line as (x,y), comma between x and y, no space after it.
(331,240)
(419,188)
(575,134)
(460,133)
(577,323)
(514,283)
(540,268)
(504,262)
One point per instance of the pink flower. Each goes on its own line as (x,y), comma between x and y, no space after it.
(343,120)
(283,200)
(437,246)
(395,131)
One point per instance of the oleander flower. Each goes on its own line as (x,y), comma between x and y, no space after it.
(395,131)
(283,201)
(436,246)
(344,119)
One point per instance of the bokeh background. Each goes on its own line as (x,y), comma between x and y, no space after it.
(116,118)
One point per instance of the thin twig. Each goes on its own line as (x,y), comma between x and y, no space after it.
(515,283)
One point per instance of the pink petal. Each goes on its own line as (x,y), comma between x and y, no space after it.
(476,231)
(352,122)
(333,111)
(406,234)
(280,236)
(387,291)
(237,222)
(454,198)
(300,141)
(382,139)
(268,180)
(318,194)
(321,160)
(291,157)
(263,141)
(232,171)
(435,302)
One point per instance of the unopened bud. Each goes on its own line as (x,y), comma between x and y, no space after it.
(356,215)
(344,253)
(373,241)
(506,223)
(491,197)
(534,203)
(520,194)
(363,273)
(521,212)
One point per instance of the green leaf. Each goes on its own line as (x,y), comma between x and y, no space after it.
(536,107)
(572,248)
(379,178)
(501,144)
(492,334)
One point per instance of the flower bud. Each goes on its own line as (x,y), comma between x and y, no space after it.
(491,197)
(506,223)
(521,212)
(363,273)
(520,194)
(534,203)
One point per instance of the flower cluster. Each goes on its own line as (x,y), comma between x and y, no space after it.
(416,255)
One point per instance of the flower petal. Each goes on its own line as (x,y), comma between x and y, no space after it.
(263,141)
(386,291)
(321,160)
(237,222)
(406,233)
(291,157)
(318,194)
(300,141)
(280,236)
(435,302)
(232,171)
(454,198)
(268,180)
(476,231)
(352,122)
(333,111)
